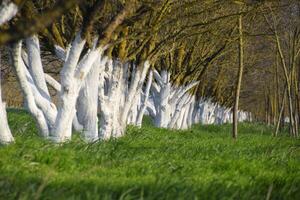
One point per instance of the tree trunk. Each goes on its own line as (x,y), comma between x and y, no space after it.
(29,96)
(239,80)
(281,113)
(145,100)
(8,10)
(169,100)
(87,103)
(5,133)
(288,84)
(73,75)
(118,96)
(36,66)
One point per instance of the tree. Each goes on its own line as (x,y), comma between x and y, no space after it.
(8,10)
(239,80)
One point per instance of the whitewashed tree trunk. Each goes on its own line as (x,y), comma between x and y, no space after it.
(54,122)
(133,113)
(212,113)
(184,123)
(118,95)
(144,102)
(62,54)
(62,130)
(36,66)
(56,85)
(87,103)
(229,116)
(190,117)
(219,115)
(5,133)
(170,102)
(109,94)
(206,109)
(187,109)
(36,79)
(8,10)
(180,113)
(73,75)
(211,117)
(161,93)
(197,112)
(27,89)
(135,89)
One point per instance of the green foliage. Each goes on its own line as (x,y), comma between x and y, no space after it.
(151,163)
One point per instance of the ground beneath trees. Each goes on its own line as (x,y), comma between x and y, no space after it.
(201,163)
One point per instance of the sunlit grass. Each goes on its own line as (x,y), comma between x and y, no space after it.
(151,163)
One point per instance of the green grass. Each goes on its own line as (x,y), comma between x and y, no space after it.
(151,163)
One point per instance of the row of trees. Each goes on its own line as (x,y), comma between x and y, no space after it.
(121,59)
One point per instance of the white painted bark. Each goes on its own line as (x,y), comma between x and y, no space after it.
(211,117)
(119,94)
(30,102)
(187,100)
(56,85)
(207,112)
(108,100)
(151,107)
(135,89)
(184,124)
(36,66)
(180,113)
(87,103)
(5,133)
(171,102)
(54,122)
(8,10)
(243,116)
(52,82)
(61,53)
(190,117)
(133,113)
(43,103)
(161,95)
(219,115)
(197,112)
(144,102)
(202,111)
(73,75)
(41,96)
(36,80)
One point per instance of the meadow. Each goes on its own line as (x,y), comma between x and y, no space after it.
(151,163)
